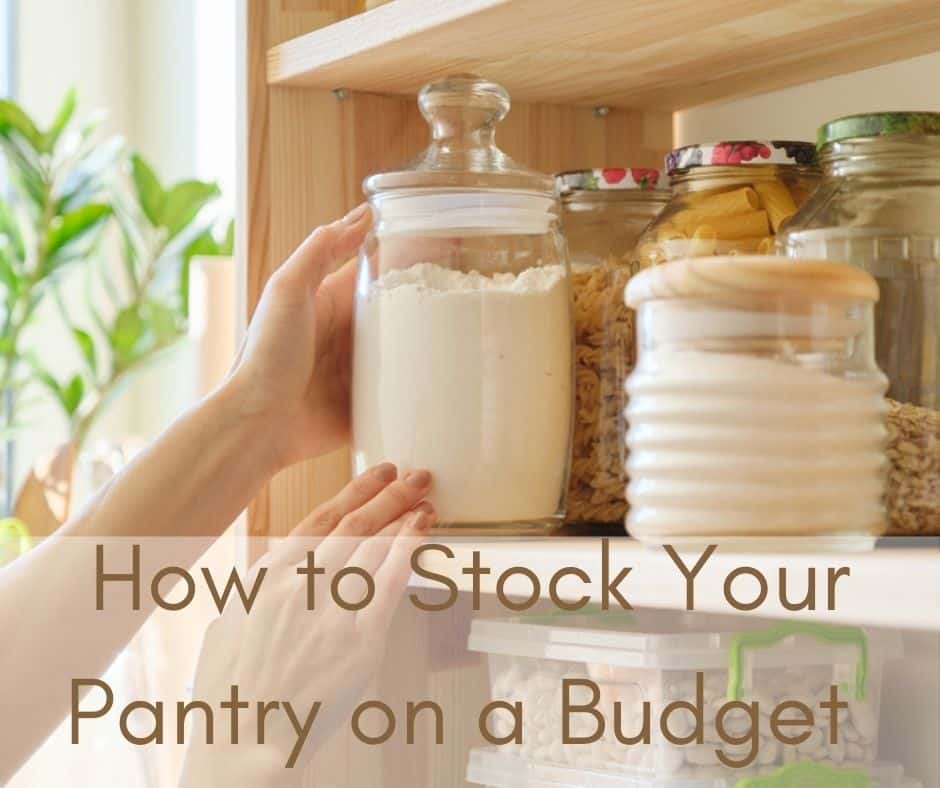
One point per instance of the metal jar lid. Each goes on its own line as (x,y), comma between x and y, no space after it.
(741,152)
(612,179)
(878,124)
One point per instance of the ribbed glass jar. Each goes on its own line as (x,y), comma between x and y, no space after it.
(878,206)
(604,211)
(756,407)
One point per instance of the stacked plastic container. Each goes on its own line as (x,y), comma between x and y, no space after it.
(632,658)
(495,769)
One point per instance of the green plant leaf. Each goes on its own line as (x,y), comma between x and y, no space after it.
(71,394)
(10,229)
(62,118)
(46,379)
(163,323)
(25,170)
(183,202)
(89,175)
(9,278)
(126,332)
(150,194)
(14,119)
(227,247)
(67,229)
(87,347)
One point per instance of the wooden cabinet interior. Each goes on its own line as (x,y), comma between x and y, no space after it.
(309,149)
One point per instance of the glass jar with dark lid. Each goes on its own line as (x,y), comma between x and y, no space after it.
(729,198)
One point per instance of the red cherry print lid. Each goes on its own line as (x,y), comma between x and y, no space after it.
(637,178)
(742,152)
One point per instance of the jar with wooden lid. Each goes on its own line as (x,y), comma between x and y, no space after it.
(729,198)
(756,407)
(878,206)
(604,212)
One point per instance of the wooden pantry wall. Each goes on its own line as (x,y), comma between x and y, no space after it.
(308,150)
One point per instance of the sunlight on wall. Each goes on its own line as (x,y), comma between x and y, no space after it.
(215,96)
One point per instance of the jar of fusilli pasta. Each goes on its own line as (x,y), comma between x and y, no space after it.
(604,212)
(729,198)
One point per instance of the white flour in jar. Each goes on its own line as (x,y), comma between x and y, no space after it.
(467,376)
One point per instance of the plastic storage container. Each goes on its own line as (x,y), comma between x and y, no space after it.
(633,658)
(496,769)
(729,198)
(879,207)
(463,328)
(756,407)
(603,214)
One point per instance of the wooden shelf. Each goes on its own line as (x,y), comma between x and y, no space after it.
(896,585)
(668,54)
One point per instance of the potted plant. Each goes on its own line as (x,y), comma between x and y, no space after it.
(85,207)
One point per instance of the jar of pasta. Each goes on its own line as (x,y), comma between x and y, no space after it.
(756,407)
(879,206)
(603,214)
(729,198)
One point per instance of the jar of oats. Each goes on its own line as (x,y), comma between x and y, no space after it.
(604,211)
(878,206)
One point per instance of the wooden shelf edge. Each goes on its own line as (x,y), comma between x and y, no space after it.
(330,48)
(667,56)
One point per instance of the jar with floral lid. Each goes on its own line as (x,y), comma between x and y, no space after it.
(878,206)
(604,212)
(756,407)
(462,348)
(729,198)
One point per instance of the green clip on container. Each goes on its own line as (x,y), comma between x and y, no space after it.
(656,658)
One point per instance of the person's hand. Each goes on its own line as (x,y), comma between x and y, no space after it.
(293,374)
(281,651)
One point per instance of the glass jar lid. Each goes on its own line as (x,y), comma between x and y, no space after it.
(741,152)
(878,124)
(612,179)
(462,181)
(462,111)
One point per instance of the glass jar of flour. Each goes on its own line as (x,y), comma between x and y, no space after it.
(463,325)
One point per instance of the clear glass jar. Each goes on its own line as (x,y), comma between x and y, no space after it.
(729,198)
(878,206)
(463,341)
(756,406)
(604,212)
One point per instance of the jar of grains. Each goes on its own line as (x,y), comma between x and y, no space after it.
(603,214)
(463,334)
(879,207)
(756,407)
(729,198)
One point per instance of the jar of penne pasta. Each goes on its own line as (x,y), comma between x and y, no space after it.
(729,198)
(604,212)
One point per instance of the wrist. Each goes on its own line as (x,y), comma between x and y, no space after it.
(254,428)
